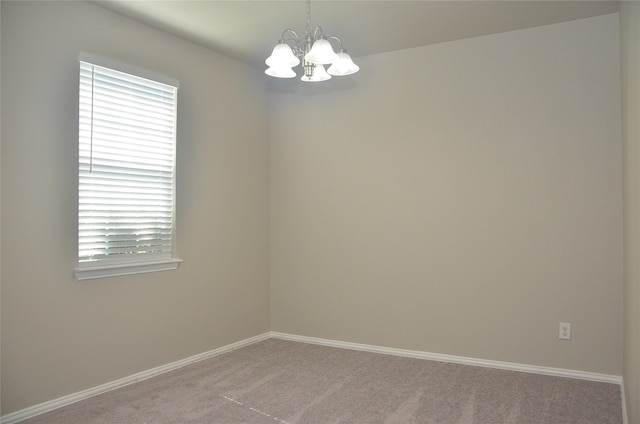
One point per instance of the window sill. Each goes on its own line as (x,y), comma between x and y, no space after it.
(115,270)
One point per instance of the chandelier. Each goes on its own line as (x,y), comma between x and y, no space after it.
(312,53)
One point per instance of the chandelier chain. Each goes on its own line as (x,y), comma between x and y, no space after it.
(308,29)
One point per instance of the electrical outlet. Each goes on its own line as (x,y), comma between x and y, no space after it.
(565,331)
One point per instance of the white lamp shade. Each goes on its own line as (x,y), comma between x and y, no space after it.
(319,74)
(282,56)
(280,72)
(343,66)
(321,52)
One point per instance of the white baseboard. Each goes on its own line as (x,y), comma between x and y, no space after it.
(41,408)
(534,369)
(625,417)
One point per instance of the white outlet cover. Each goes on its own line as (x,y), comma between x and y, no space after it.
(565,331)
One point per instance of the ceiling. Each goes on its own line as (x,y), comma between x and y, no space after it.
(248,30)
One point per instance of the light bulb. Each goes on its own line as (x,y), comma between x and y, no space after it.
(321,52)
(319,74)
(280,72)
(343,66)
(281,56)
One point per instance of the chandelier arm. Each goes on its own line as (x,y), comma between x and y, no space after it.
(339,41)
(295,34)
(293,42)
(315,32)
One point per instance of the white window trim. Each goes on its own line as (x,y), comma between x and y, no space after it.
(129,69)
(88,272)
(94,269)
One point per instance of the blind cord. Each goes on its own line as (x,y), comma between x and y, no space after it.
(91,138)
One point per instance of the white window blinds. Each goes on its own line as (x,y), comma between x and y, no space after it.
(127,134)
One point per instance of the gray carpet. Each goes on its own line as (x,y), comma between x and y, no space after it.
(284,382)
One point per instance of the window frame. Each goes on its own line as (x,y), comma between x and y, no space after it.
(128,264)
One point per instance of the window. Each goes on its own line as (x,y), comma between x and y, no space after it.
(127,138)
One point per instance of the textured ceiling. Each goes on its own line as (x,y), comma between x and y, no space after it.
(248,30)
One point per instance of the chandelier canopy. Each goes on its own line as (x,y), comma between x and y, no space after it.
(312,53)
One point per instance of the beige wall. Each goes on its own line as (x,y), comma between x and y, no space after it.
(461,198)
(59,335)
(630,31)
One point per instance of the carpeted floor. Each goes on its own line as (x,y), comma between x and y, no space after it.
(284,382)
